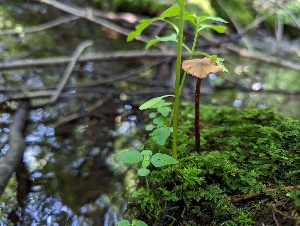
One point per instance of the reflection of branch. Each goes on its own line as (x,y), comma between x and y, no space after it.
(41,27)
(82,90)
(263,57)
(88,57)
(16,146)
(97,82)
(76,116)
(69,69)
(88,14)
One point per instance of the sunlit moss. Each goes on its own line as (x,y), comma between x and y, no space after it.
(243,151)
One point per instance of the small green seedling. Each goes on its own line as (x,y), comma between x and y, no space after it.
(146,158)
(135,222)
(160,128)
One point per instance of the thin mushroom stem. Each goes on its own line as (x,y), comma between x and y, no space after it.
(197,115)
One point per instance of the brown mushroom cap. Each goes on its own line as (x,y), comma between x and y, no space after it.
(201,67)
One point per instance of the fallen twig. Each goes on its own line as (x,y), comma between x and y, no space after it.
(238,198)
(88,14)
(89,57)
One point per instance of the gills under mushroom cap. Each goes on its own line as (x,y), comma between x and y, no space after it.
(201,67)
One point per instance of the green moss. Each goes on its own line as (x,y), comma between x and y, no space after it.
(243,151)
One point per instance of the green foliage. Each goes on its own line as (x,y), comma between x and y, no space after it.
(145,157)
(244,152)
(160,128)
(295,196)
(135,222)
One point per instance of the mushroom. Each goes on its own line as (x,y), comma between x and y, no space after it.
(200,68)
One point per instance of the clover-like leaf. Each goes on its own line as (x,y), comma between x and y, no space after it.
(160,120)
(164,110)
(123,223)
(136,222)
(129,156)
(159,160)
(149,127)
(146,153)
(161,134)
(143,172)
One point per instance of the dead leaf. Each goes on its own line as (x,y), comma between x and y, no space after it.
(201,67)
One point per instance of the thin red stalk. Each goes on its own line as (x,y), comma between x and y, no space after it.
(197,115)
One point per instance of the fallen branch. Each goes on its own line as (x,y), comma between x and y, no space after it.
(88,14)
(130,73)
(69,70)
(238,198)
(16,146)
(89,57)
(76,116)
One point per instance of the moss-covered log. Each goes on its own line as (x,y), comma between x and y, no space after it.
(244,152)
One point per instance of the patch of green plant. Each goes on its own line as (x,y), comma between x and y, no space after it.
(135,222)
(145,158)
(251,151)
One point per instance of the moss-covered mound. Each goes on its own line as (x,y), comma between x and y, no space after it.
(247,173)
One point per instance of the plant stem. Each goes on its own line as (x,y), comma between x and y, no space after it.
(184,74)
(191,56)
(197,115)
(177,80)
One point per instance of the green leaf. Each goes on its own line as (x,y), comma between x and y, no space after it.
(161,134)
(161,120)
(171,11)
(217,28)
(170,38)
(164,110)
(152,115)
(130,156)
(151,43)
(150,127)
(123,223)
(136,222)
(143,172)
(146,163)
(143,24)
(159,160)
(214,57)
(146,152)
(190,16)
(152,102)
(162,103)
(219,19)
